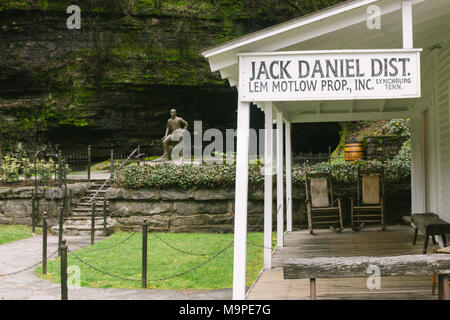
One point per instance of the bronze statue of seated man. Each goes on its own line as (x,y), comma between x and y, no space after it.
(174,132)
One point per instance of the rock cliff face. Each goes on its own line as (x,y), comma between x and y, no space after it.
(112,83)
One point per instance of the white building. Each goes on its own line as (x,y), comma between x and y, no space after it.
(352,25)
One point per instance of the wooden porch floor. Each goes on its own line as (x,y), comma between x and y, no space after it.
(396,240)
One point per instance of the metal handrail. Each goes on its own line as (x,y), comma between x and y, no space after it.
(106,182)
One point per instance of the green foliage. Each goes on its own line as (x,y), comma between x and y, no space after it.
(44,170)
(167,175)
(12,169)
(400,166)
(399,127)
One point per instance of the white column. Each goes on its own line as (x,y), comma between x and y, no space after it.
(241,198)
(407,24)
(418,189)
(288,177)
(268,185)
(280,193)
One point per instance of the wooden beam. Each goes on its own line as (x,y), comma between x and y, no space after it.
(383,104)
(354,267)
(351,106)
(345,116)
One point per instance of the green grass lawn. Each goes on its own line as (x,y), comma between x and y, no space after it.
(9,233)
(163,261)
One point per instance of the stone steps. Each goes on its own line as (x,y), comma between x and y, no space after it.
(89,205)
(87,199)
(79,220)
(76,230)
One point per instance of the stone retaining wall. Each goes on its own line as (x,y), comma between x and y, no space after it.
(15,203)
(213,210)
(185,210)
(383,147)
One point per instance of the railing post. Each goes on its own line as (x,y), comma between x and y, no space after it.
(60,169)
(36,202)
(144,254)
(61,224)
(105,231)
(93,223)
(65,196)
(443,286)
(44,243)
(312,289)
(112,162)
(69,202)
(63,250)
(89,164)
(33,213)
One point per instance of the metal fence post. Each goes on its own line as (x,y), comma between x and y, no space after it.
(69,202)
(93,223)
(63,250)
(89,164)
(44,243)
(112,162)
(61,224)
(33,213)
(144,254)
(105,231)
(35,203)
(60,173)
(65,195)
(138,153)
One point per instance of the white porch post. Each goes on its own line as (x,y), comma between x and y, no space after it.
(418,188)
(241,197)
(288,177)
(407,24)
(268,186)
(280,191)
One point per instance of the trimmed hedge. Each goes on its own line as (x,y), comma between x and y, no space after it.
(168,175)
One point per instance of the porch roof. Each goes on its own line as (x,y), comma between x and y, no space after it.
(343,27)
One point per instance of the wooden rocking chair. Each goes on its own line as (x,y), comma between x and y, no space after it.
(321,206)
(369,205)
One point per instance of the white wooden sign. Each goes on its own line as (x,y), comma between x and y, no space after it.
(329,75)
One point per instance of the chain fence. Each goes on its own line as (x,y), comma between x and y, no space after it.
(108,247)
(35,265)
(113,275)
(183,251)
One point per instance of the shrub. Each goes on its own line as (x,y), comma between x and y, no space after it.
(168,175)
(399,168)
(44,170)
(27,168)
(10,169)
(399,127)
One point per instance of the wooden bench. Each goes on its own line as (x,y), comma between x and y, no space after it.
(431,225)
(357,267)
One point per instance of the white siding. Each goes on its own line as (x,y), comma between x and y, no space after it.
(442,102)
